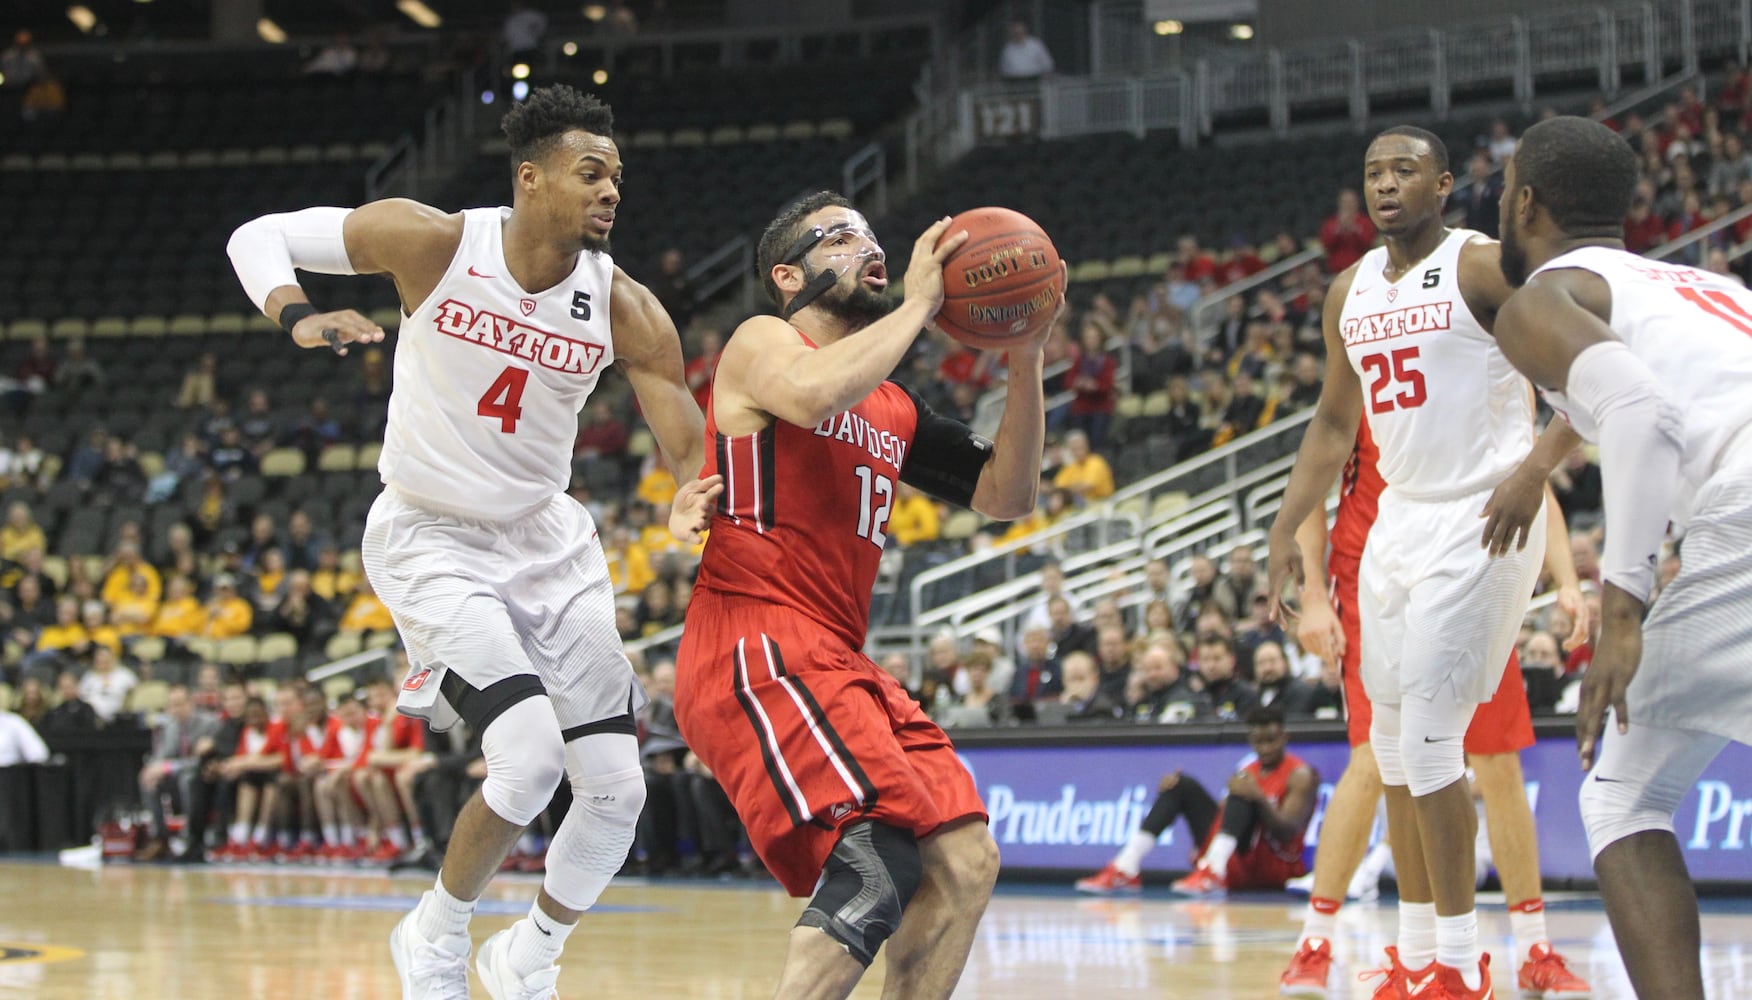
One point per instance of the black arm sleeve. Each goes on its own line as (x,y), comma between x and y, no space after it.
(946,455)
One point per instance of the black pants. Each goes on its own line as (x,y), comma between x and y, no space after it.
(1188,798)
(439,795)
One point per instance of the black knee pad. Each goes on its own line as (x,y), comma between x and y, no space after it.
(870,878)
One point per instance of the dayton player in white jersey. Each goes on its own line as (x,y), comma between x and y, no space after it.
(495,577)
(1654,362)
(1439,614)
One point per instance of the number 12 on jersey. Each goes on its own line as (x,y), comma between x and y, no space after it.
(1394,369)
(873,519)
(504,398)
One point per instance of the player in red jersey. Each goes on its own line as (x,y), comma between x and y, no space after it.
(1330,628)
(838,775)
(1252,839)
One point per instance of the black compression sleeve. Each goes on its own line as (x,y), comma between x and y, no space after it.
(946,455)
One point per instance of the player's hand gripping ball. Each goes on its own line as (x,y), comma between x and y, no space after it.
(1005,283)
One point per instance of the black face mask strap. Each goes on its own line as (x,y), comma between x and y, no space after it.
(816,285)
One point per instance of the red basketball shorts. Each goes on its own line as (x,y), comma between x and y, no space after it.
(806,735)
(1501,725)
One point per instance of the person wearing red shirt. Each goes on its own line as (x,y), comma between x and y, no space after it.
(1092,381)
(1643,229)
(1347,234)
(1195,261)
(392,740)
(701,367)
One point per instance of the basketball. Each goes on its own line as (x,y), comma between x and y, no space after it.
(1004,283)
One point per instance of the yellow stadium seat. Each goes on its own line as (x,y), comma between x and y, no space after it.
(798,130)
(1159,262)
(5,696)
(380,640)
(25,329)
(1129,407)
(1129,267)
(151,463)
(56,568)
(1156,404)
(237,650)
(283,462)
(109,326)
(366,459)
(266,688)
(962,524)
(148,648)
(641,443)
(228,323)
(835,128)
(277,646)
(344,644)
(69,326)
(337,458)
(762,132)
(688,137)
(202,648)
(1091,270)
(387,317)
(187,325)
(147,326)
(200,158)
(150,696)
(1138,506)
(337,688)
(1167,505)
(725,135)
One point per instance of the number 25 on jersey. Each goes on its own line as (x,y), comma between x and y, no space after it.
(503,400)
(1394,383)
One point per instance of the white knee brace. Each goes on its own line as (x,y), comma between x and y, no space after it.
(1639,780)
(525,759)
(1432,742)
(1384,740)
(608,794)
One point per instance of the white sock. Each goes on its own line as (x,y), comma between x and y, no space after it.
(1457,946)
(346,833)
(1221,850)
(440,913)
(536,942)
(1529,930)
(1131,856)
(240,833)
(418,836)
(331,834)
(261,834)
(397,838)
(1417,934)
(1321,920)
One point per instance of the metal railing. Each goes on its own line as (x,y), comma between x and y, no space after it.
(783,42)
(726,266)
(415,164)
(1204,312)
(864,179)
(1669,249)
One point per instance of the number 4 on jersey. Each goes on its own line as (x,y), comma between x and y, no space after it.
(504,398)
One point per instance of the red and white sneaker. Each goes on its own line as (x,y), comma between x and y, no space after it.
(1309,970)
(1546,975)
(384,854)
(1443,982)
(1202,882)
(232,853)
(1395,978)
(1110,880)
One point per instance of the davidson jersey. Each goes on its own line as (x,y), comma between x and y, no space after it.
(1448,413)
(1694,330)
(489,379)
(804,512)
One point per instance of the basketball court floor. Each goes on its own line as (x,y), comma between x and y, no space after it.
(146,932)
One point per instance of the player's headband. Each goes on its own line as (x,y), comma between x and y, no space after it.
(829,248)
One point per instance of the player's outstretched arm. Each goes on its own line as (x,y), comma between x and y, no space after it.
(1325,447)
(411,242)
(766,367)
(649,349)
(1011,478)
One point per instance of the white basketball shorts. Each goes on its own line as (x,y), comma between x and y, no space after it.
(1439,615)
(478,602)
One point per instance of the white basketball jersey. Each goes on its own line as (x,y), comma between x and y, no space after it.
(489,379)
(1449,413)
(1694,330)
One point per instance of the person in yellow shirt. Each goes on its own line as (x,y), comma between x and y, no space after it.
(181,616)
(133,613)
(914,518)
(96,619)
(68,632)
(1054,504)
(1084,473)
(629,565)
(124,567)
(20,533)
(366,613)
(329,581)
(657,486)
(228,615)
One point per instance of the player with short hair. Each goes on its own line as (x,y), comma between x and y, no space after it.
(1619,344)
(1453,422)
(1252,839)
(495,577)
(849,792)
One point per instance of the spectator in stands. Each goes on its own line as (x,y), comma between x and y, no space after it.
(366,613)
(32,702)
(1084,472)
(1167,694)
(33,376)
(1092,381)
(668,809)
(1586,553)
(1051,504)
(78,372)
(95,617)
(982,697)
(174,764)
(672,288)
(1277,686)
(1083,695)
(521,32)
(263,538)
(134,611)
(19,741)
(1542,670)
(1068,635)
(314,432)
(1156,619)
(21,533)
(943,659)
(265,585)
(629,565)
(1578,487)
(260,431)
(1052,585)
(1025,56)
(656,486)
(1715,260)
(1231,697)
(72,714)
(125,566)
(1113,655)
(656,610)
(1500,144)
(228,615)
(63,639)
(21,65)
(621,19)
(199,385)
(208,692)
(302,614)
(337,58)
(181,615)
(232,458)
(22,465)
(107,685)
(1346,234)
(1480,197)
(702,366)
(1254,630)
(302,546)
(1202,591)
(990,642)
(1039,675)
(914,519)
(1233,594)
(330,581)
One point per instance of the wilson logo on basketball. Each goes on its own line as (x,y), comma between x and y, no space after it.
(1397,323)
(509,336)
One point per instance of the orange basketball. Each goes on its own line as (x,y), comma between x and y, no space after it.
(1004,284)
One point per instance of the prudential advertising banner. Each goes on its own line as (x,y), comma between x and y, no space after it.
(1072,807)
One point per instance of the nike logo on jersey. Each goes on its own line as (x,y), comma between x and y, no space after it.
(1362,291)
(510,336)
(1610,781)
(476,274)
